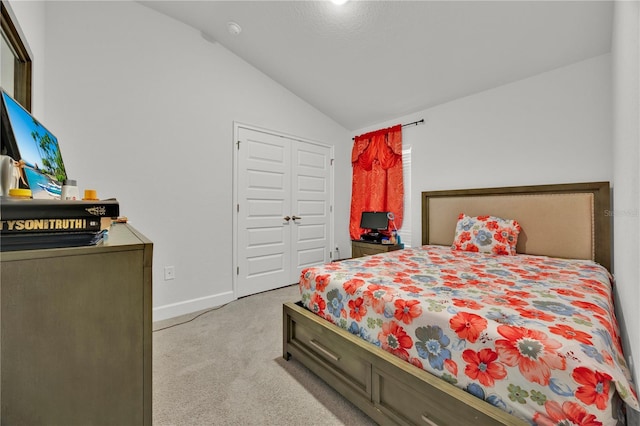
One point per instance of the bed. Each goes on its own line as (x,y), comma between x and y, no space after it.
(410,338)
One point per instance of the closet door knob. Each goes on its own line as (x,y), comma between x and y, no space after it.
(296,217)
(287,218)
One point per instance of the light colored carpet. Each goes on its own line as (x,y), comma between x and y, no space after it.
(226,368)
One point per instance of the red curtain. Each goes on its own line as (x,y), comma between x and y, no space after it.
(377,176)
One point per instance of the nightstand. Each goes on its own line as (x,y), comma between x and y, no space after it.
(361,248)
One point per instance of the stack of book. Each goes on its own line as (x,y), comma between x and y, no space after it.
(28,224)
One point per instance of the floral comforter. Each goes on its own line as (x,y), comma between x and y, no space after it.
(534,335)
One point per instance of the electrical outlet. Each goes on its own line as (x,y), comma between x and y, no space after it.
(169,273)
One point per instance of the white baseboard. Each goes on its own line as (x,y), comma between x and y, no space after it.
(189,306)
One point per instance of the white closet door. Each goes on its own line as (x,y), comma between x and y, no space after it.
(311,203)
(283,212)
(264,200)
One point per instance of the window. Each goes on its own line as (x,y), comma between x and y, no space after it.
(15,75)
(405,229)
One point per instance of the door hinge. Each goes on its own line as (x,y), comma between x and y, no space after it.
(238,143)
(330,255)
(238,207)
(330,209)
(332,160)
(237,270)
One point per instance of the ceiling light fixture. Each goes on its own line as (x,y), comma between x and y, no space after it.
(233,28)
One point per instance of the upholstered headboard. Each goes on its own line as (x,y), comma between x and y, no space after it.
(564,220)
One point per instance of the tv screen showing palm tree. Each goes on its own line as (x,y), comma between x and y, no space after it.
(34,149)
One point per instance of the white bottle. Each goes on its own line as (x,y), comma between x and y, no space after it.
(69,190)
(6,175)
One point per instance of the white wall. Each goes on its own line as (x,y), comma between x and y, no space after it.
(551,128)
(143,108)
(626,166)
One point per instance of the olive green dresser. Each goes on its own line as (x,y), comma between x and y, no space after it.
(75,345)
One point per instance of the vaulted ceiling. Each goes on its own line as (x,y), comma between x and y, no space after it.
(367,62)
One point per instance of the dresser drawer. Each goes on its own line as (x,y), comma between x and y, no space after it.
(397,400)
(399,395)
(331,351)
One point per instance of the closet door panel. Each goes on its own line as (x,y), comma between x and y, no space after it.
(311,203)
(264,188)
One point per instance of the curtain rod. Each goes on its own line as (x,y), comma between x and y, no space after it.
(415,123)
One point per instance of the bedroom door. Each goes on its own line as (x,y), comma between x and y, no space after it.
(283,196)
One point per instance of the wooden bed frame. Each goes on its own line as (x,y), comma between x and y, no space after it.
(565,220)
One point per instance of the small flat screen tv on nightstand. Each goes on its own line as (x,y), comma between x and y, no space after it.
(374,222)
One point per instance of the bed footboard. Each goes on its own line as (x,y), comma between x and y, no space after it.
(386,388)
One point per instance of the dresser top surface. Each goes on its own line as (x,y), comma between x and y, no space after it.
(121,236)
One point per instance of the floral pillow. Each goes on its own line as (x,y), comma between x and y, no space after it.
(486,234)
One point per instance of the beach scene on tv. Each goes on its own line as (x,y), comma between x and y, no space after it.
(40,162)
